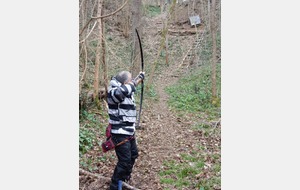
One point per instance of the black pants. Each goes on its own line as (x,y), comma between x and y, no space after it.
(126,153)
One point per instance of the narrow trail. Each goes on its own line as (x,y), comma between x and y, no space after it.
(163,132)
(161,135)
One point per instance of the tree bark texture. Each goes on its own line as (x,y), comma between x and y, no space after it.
(136,24)
(104,64)
(98,52)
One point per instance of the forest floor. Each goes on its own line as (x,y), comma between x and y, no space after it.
(165,136)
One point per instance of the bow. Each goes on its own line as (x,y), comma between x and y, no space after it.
(142,90)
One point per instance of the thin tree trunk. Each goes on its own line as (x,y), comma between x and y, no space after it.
(84,67)
(208,13)
(83,8)
(136,20)
(201,10)
(127,19)
(98,53)
(124,21)
(175,10)
(214,48)
(105,78)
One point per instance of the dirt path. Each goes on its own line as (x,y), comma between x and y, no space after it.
(158,141)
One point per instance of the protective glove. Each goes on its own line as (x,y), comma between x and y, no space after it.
(141,75)
(139,78)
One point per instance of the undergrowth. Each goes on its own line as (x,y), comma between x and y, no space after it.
(199,168)
(149,93)
(91,128)
(193,93)
(151,10)
(189,172)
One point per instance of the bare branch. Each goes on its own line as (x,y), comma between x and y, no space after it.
(93,175)
(106,179)
(104,16)
(219,121)
(89,33)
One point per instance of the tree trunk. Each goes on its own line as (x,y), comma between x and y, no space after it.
(98,52)
(125,21)
(136,24)
(83,48)
(201,10)
(175,18)
(105,78)
(214,48)
(208,13)
(84,67)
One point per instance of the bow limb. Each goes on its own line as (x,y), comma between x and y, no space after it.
(142,90)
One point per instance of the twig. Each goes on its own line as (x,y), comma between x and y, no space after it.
(217,123)
(129,186)
(215,126)
(106,179)
(84,125)
(89,33)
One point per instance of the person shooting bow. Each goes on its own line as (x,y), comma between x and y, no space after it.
(122,117)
